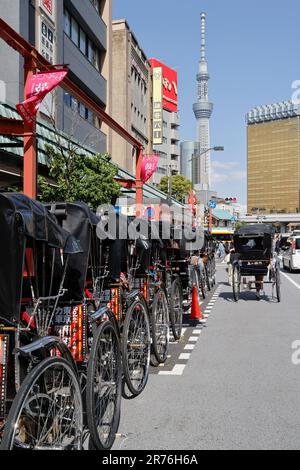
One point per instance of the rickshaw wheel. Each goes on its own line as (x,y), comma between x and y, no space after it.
(104,387)
(208,277)
(47,412)
(176,308)
(236,283)
(278,284)
(160,326)
(136,347)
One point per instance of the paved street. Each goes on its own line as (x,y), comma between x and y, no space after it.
(238,389)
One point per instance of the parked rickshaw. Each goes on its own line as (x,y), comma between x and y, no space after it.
(209,260)
(255,256)
(186,262)
(96,345)
(41,403)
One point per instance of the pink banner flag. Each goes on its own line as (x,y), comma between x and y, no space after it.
(149,166)
(36,89)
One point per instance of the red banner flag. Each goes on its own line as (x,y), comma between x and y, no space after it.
(36,89)
(149,166)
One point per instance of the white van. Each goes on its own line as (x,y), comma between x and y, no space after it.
(291,256)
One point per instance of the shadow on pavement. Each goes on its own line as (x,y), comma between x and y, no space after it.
(246,297)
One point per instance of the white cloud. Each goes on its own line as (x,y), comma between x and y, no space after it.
(239,175)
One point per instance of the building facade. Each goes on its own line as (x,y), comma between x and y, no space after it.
(167,146)
(131,94)
(73,32)
(274,159)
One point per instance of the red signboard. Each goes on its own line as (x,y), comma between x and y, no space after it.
(36,89)
(48,5)
(170,86)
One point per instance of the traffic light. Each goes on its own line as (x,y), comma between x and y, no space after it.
(230,200)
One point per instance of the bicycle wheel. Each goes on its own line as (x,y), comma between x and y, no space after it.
(47,412)
(104,387)
(160,329)
(236,283)
(136,346)
(176,308)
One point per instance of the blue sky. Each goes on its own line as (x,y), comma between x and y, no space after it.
(253,51)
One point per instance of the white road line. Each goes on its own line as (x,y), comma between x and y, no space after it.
(193,339)
(184,330)
(184,356)
(189,347)
(291,280)
(161,365)
(177,370)
(206,315)
(197,332)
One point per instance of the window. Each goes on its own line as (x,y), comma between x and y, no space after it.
(67,25)
(67,99)
(82,41)
(75,32)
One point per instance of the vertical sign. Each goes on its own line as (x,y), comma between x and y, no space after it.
(46,30)
(157,106)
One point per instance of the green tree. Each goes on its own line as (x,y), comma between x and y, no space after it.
(181,186)
(79,177)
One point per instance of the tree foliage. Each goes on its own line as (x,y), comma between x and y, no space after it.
(79,177)
(181,186)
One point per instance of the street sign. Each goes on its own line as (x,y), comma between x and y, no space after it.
(212,205)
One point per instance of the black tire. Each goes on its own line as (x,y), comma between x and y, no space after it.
(176,308)
(208,276)
(28,420)
(136,337)
(236,282)
(278,284)
(104,387)
(196,281)
(160,326)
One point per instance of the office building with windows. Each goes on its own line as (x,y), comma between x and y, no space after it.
(72,32)
(131,97)
(274,158)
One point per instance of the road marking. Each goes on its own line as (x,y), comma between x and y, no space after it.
(177,370)
(189,347)
(291,280)
(184,356)
(206,315)
(197,332)
(193,339)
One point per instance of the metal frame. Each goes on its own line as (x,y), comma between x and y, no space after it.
(34,61)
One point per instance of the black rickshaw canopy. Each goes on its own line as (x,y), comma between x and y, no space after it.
(25,224)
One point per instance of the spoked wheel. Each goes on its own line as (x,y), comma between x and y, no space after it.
(176,308)
(136,346)
(213,271)
(278,283)
(236,283)
(104,387)
(47,412)
(197,281)
(160,326)
(208,275)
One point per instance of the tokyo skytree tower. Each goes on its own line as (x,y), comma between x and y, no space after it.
(203,109)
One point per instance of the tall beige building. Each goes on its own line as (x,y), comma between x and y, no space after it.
(131,85)
(274,159)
